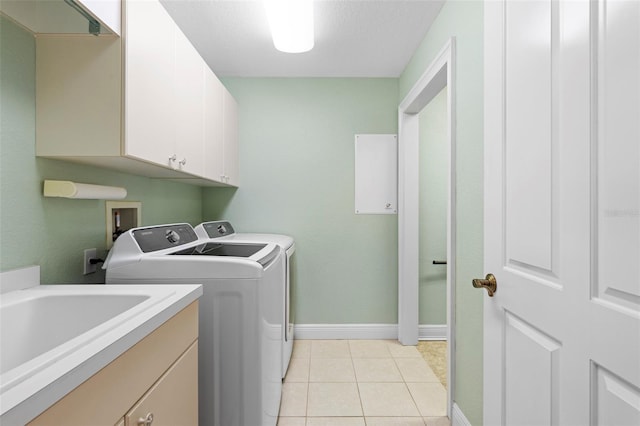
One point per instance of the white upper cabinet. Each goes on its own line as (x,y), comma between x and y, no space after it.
(146,103)
(189,106)
(220,132)
(230,139)
(149,81)
(213,99)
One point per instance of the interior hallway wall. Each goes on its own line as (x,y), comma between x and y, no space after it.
(432,217)
(53,232)
(463,19)
(297,178)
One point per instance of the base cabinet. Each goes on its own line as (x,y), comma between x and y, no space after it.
(173,400)
(157,377)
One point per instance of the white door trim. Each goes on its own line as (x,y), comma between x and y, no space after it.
(440,73)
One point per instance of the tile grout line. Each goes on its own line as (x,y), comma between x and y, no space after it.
(395,360)
(355,375)
(306,404)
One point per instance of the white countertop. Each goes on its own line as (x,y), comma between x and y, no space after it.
(28,389)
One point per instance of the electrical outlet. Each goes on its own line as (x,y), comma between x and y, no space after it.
(88,267)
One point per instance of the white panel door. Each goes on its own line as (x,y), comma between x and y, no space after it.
(562,212)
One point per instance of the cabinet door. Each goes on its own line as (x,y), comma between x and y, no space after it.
(173,399)
(213,166)
(149,82)
(230,137)
(78,96)
(189,106)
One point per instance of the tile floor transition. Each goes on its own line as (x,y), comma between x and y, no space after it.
(358,383)
(435,353)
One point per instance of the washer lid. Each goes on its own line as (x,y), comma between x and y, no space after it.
(222,230)
(263,253)
(221,249)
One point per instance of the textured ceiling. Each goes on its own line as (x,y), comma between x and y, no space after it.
(353,38)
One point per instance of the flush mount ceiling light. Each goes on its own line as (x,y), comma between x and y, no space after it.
(291,23)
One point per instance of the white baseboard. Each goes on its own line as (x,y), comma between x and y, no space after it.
(345,331)
(364,331)
(432,332)
(457,417)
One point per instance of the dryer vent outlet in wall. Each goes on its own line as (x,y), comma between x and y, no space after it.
(121,216)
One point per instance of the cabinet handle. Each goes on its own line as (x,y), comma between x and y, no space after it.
(183,161)
(146,421)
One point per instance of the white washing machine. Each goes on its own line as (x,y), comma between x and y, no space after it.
(223,231)
(241,324)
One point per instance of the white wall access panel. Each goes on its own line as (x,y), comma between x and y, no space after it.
(376,174)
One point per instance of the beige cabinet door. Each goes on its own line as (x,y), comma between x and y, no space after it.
(173,399)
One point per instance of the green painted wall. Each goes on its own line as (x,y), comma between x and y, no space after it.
(433,211)
(297,178)
(53,232)
(297,153)
(464,21)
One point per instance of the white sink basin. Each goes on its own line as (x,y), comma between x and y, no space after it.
(33,326)
(54,337)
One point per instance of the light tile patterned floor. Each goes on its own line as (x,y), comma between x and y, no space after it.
(360,383)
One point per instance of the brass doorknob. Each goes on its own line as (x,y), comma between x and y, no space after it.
(489,283)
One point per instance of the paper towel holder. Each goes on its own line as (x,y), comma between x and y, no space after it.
(68,189)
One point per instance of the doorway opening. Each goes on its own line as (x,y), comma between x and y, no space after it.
(432,243)
(438,76)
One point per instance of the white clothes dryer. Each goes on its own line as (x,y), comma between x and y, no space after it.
(224,231)
(240,314)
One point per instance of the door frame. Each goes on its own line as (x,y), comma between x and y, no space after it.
(439,74)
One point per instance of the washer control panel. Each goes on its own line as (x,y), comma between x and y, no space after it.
(163,237)
(219,228)
(172,236)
